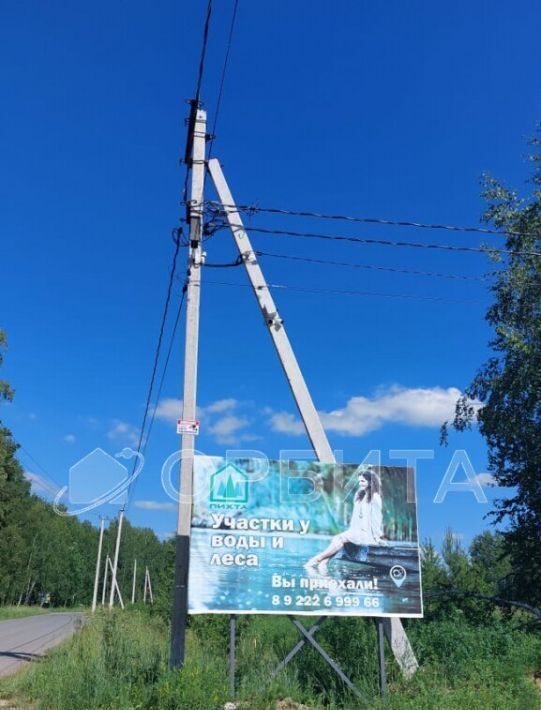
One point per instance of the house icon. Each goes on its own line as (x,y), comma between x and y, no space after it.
(229,487)
(94,476)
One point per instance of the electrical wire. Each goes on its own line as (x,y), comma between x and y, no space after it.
(222,80)
(251,209)
(131,490)
(156,356)
(47,481)
(166,364)
(348,292)
(203,52)
(373,267)
(196,102)
(383,242)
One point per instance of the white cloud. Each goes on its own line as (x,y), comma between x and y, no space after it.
(287,423)
(122,431)
(69,438)
(39,484)
(227,430)
(221,405)
(154,505)
(169,409)
(486,479)
(428,407)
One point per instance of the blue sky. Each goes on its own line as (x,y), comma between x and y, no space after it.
(389,110)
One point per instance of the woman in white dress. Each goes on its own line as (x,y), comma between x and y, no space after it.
(366,524)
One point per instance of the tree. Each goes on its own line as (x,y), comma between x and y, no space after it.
(508,385)
(45,553)
(6,392)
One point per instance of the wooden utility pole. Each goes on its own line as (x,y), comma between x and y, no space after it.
(196,158)
(98,563)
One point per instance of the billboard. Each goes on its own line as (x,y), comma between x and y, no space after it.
(303,537)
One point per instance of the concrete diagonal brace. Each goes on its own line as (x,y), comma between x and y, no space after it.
(394,630)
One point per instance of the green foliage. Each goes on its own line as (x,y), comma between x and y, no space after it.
(509,384)
(114,662)
(5,390)
(481,569)
(45,553)
(119,660)
(18,612)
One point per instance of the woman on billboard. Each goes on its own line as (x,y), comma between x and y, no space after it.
(366,524)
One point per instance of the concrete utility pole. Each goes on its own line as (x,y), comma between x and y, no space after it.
(196,157)
(116,587)
(98,562)
(133,582)
(105,575)
(149,585)
(393,628)
(114,584)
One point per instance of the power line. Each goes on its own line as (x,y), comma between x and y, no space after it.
(222,80)
(203,52)
(384,242)
(348,292)
(373,267)
(251,209)
(195,103)
(166,363)
(157,352)
(47,481)
(160,386)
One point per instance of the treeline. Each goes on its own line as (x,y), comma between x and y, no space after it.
(478,580)
(44,555)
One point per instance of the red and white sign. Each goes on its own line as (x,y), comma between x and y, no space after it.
(187,426)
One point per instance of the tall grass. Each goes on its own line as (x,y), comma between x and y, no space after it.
(119,660)
(18,612)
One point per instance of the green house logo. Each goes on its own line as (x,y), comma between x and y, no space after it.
(229,487)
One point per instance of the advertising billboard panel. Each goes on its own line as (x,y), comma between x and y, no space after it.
(303,537)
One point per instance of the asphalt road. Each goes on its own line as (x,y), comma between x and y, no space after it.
(24,640)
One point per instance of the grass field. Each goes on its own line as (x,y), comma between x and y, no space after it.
(119,660)
(19,612)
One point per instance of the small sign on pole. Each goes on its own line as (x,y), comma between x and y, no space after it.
(188,426)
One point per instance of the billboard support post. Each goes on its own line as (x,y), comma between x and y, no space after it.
(232,660)
(396,635)
(195,158)
(381,658)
